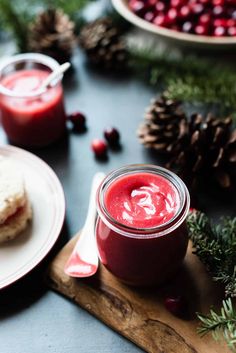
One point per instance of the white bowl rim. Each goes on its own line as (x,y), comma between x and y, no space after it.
(122,7)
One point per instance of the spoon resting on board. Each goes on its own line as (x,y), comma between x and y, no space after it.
(83,261)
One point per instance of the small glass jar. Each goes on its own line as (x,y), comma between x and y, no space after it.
(31,116)
(142,256)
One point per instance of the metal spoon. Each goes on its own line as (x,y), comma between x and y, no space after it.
(54,75)
(83,262)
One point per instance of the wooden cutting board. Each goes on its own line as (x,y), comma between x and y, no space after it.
(139,314)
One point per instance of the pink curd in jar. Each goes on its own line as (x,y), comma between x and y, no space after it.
(141,232)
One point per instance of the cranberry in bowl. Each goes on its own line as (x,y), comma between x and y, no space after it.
(141,232)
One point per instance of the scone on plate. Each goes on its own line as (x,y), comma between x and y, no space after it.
(15,208)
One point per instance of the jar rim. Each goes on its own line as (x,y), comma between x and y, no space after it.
(150,232)
(45,60)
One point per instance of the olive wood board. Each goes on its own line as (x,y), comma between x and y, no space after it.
(139,313)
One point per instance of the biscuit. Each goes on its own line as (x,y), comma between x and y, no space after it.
(12,190)
(16,223)
(15,208)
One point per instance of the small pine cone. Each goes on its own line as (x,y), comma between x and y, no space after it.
(52,33)
(103,44)
(165,126)
(209,151)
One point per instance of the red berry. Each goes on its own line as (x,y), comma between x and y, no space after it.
(99,147)
(218,10)
(201,30)
(149,16)
(112,135)
(172,15)
(176,3)
(160,6)
(78,120)
(175,304)
(232,31)
(184,11)
(197,8)
(159,20)
(219,31)
(205,19)
(187,27)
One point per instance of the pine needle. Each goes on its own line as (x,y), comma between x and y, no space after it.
(221,324)
(188,78)
(216,247)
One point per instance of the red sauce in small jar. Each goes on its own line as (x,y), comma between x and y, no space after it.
(31,117)
(141,232)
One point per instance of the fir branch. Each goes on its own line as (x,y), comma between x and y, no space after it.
(16,15)
(216,247)
(188,78)
(222,324)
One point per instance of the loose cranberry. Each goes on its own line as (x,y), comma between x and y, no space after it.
(112,135)
(99,147)
(219,31)
(78,120)
(175,304)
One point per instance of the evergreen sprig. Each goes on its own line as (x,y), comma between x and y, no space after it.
(215,245)
(188,78)
(17,14)
(221,324)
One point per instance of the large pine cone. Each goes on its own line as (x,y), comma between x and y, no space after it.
(52,33)
(197,147)
(103,44)
(165,125)
(209,150)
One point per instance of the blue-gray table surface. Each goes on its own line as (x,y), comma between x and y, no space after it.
(32,317)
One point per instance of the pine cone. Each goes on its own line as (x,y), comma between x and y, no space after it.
(165,126)
(197,147)
(52,33)
(208,151)
(102,43)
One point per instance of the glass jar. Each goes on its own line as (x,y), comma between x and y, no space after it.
(31,115)
(142,256)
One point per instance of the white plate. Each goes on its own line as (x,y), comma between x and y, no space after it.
(204,42)
(46,195)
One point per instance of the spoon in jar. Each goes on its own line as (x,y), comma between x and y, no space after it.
(83,261)
(54,75)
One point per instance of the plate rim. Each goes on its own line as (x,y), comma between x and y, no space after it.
(31,264)
(122,8)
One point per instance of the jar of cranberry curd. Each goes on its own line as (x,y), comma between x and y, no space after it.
(141,232)
(31,115)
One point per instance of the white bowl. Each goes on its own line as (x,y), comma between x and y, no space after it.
(193,40)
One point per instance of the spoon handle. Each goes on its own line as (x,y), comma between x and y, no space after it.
(55,74)
(91,215)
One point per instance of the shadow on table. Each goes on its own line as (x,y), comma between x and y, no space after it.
(27,290)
